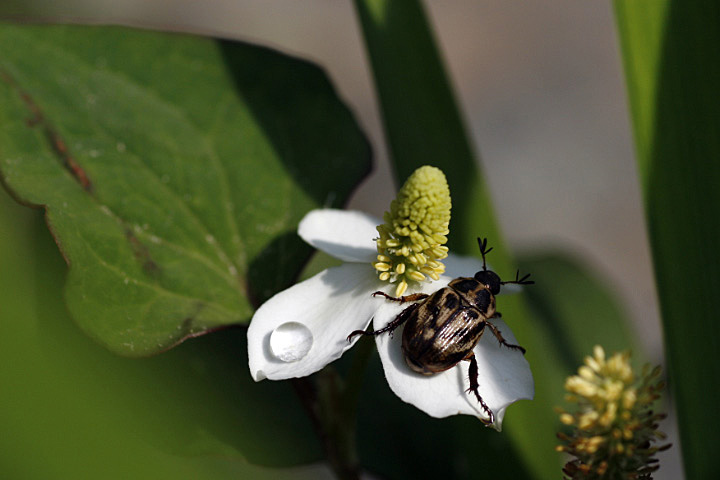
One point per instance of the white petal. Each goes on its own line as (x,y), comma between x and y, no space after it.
(466,266)
(300,330)
(344,234)
(510,289)
(461,265)
(504,375)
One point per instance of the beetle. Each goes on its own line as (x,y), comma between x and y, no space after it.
(442,329)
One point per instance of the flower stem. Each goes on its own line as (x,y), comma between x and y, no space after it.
(353,381)
(332,405)
(323,395)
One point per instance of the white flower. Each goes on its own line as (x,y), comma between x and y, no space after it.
(300,330)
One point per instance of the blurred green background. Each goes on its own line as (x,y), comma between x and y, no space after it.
(71,409)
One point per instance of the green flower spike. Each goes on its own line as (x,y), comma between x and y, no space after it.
(614,425)
(411,242)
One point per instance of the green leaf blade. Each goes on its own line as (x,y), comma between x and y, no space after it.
(168,174)
(576,308)
(672,72)
(424,127)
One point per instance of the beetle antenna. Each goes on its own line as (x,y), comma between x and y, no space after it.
(482,243)
(520,281)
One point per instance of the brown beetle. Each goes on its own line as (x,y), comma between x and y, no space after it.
(443,328)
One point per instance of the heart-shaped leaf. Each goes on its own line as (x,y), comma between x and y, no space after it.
(173,170)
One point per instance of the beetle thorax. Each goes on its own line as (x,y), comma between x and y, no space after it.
(475,293)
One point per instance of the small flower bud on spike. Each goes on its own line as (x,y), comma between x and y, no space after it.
(415,229)
(614,425)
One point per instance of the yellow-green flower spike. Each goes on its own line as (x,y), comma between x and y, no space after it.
(614,425)
(411,241)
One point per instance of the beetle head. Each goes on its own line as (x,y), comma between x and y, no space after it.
(489,279)
(485,276)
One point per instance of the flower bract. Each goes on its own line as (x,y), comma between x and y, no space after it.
(300,330)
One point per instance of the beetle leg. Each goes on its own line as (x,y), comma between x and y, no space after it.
(399,320)
(473,374)
(500,338)
(407,298)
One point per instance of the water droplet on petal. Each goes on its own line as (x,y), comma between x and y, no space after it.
(291,341)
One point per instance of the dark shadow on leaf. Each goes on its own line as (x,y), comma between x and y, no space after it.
(276,267)
(314,134)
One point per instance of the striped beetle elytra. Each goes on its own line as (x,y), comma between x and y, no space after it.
(442,329)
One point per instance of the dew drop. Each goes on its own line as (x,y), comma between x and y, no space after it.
(291,341)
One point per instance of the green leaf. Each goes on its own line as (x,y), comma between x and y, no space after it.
(71,409)
(672,68)
(576,308)
(421,119)
(173,170)
(424,127)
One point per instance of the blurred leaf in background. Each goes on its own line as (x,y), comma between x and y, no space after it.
(173,170)
(670,53)
(71,409)
(424,126)
(576,308)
